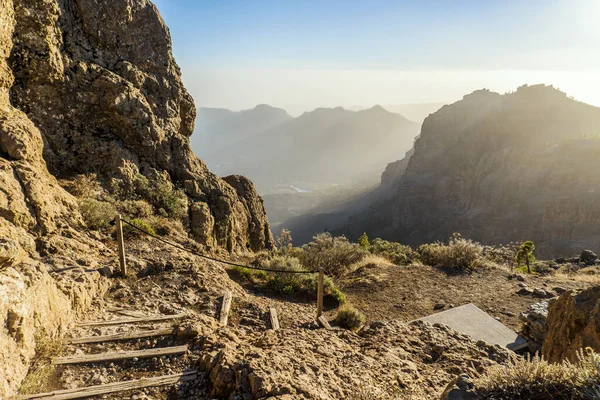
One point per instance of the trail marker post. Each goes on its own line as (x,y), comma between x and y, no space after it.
(121,245)
(320,293)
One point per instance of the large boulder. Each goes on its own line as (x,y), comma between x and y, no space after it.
(573,323)
(588,257)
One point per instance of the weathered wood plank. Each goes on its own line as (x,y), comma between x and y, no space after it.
(130,313)
(323,322)
(115,387)
(103,357)
(121,245)
(225,307)
(121,336)
(136,320)
(320,294)
(274,318)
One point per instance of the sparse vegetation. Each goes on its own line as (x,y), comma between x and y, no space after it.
(349,317)
(39,378)
(143,224)
(535,378)
(97,214)
(333,254)
(363,241)
(525,255)
(461,253)
(397,253)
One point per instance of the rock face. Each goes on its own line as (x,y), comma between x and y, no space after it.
(534,325)
(573,323)
(104,90)
(499,168)
(90,87)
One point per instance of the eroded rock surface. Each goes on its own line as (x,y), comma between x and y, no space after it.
(573,323)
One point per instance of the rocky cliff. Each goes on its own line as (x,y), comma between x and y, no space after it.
(103,88)
(499,168)
(91,88)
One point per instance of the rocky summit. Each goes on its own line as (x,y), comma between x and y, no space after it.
(525,160)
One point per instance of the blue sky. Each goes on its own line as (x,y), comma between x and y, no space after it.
(238,53)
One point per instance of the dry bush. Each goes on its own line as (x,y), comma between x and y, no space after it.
(502,254)
(135,208)
(397,253)
(333,254)
(461,253)
(97,214)
(83,186)
(535,378)
(349,317)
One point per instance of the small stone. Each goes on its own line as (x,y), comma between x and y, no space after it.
(525,291)
(439,306)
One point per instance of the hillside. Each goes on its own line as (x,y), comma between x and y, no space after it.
(498,168)
(218,128)
(322,147)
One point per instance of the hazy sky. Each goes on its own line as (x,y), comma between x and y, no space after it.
(300,55)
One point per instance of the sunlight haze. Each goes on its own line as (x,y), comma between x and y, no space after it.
(304,55)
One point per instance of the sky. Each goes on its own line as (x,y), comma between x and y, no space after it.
(300,55)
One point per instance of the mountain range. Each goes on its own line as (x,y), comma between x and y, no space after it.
(327,146)
(496,168)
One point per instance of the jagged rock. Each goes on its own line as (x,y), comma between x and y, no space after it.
(534,325)
(461,388)
(131,116)
(588,257)
(573,323)
(474,155)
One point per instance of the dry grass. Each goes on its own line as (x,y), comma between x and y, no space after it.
(349,317)
(535,378)
(42,375)
(370,260)
(593,279)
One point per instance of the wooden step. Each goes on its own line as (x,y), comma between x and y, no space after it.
(125,355)
(136,320)
(122,336)
(115,387)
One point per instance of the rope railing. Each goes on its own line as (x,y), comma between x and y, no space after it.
(177,246)
(122,260)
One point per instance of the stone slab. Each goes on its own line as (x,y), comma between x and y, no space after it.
(472,321)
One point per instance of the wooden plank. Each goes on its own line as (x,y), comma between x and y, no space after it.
(121,245)
(130,313)
(121,336)
(225,307)
(115,387)
(323,322)
(274,319)
(320,294)
(125,355)
(149,318)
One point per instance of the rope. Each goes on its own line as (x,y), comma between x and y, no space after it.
(177,246)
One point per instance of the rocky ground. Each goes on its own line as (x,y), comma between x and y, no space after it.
(388,292)
(387,358)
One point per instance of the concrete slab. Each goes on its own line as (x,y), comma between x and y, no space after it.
(472,321)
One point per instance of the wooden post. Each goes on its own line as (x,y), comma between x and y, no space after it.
(121,245)
(225,307)
(274,319)
(320,294)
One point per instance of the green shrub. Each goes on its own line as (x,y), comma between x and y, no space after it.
(397,253)
(97,214)
(333,254)
(349,317)
(535,378)
(130,232)
(459,252)
(524,256)
(167,200)
(363,241)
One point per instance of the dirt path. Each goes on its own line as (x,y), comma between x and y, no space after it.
(410,292)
